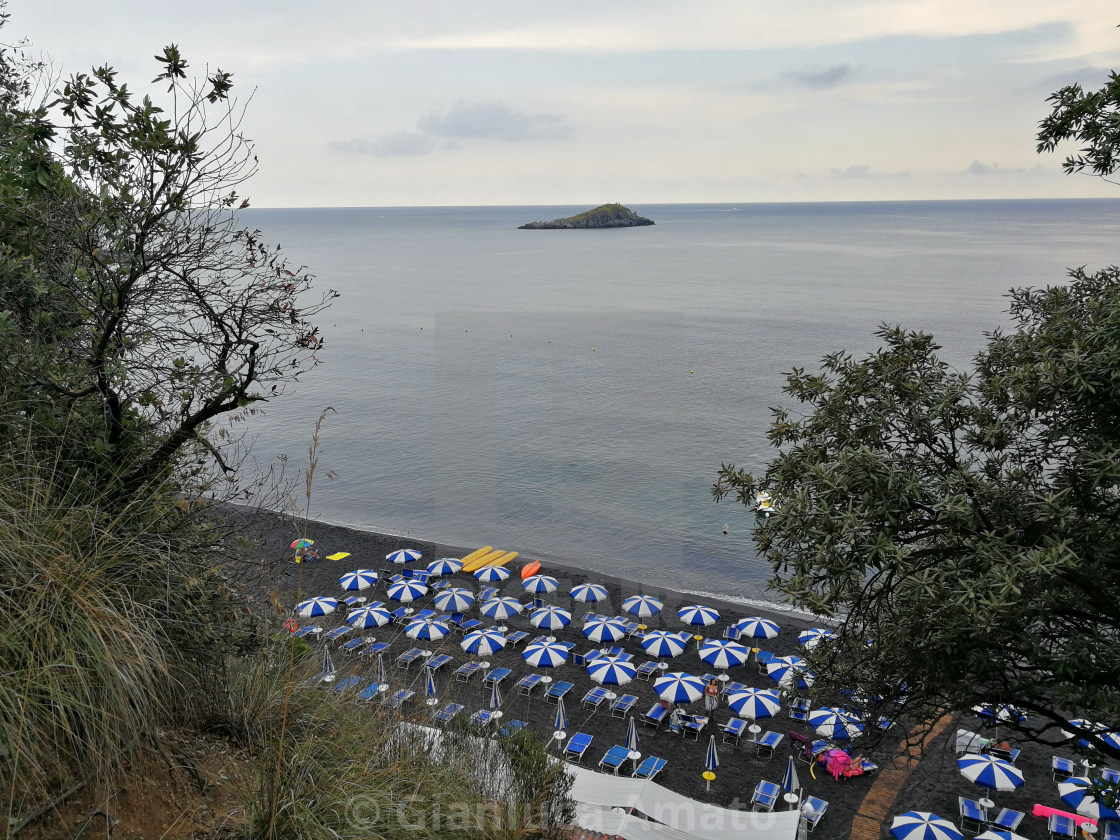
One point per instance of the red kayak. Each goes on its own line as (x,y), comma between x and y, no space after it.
(530,569)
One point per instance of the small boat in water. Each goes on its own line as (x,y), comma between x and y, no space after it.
(764,504)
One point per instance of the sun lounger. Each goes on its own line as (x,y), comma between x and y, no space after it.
(1060,826)
(813,810)
(656,716)
(766,743)
(528,682)
(693,724)
(1110,829)
(647,670)
(799,709)
(515,638)
(352,645)
(867,766)
(511,727)
(1007,820)
(483,717)
(971,814)
(370,691)
(467,670)
(496,676)
(395,701)
(398,614)
(614,758)
(456,618)
(733,632)
(577,746)
(614,650)
(374,649)
(621,706)
(558,690)
(408,657)
(732,687)
(765,795)
(307,631)
(469,625)
(1063,768)
(632,630)
(733,730)
(486,593)
(1009,756)
(438,661)
(651,765)
(763,658)
(580,659)
(595,696)
(1109,775)
(448,712)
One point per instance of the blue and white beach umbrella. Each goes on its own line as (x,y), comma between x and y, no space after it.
(790,782)
(492,574)
(990,772)
(589,593)
(607,670)
(698,616)
(663,643)
(1076,793)
(316,606)
(1003,713)
(789,671)
(678,687)
(757,628)
(373,615)
(545,655)
(834,724)
(403,555)
(642,605)
(540,584)
(812,637)
(550,618)
(454,599)
(922,825)
(500,609)
(631,742)
(427,630)
(560,722)
(483,642)
(754,703)
(604,630)
(445,566)
(359,579)
(407,590)
(720,653)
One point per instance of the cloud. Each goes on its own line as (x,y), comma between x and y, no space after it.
(821,77)
(978,167)
(862,170)
(462,122)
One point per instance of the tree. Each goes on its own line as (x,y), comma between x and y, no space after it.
(964,527)
(143,311)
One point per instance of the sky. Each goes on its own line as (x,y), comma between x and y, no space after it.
(516,102)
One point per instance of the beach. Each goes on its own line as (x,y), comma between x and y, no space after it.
(932,785)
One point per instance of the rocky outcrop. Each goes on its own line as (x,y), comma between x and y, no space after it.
(607,216)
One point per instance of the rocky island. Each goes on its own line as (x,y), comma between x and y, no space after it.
(607,216)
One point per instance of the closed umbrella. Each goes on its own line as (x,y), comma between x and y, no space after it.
(407,590)
(427,630)
(454,599)
(356,580)
(430,686)
(500,609)
(790,782)
(495,696)
(492,574)
(316,606)
(604,630)
(589,593)
(328,665)
(382,677)
(631,742)
(545,655)
(698,616)
(922,825)
(540,584)
(754,703)
(663,643)
(642,606)
(403,555)
(483,642)
(678,687)
(609,671)
(445,566)
(560,722)
(720,653)
(550,618)
(711,759)
(990,772)
(758,628)
(373,615)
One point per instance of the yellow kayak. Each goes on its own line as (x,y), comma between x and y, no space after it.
(476,555)
(501,561)
(484,560)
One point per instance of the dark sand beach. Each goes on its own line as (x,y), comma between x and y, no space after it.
(934,785)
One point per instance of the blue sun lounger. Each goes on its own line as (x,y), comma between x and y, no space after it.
(655,716)
(765,795)
(352,645)
(766,743)
(496,676)
(647,670)
(557,691)
(408,657)
(469,625)
(369,692)
(651,765)
(577,746)
(438,661)
(483,717)
(395,701)
(511,727)
(467,670)
(347,684)
(528,682)
(622,706)
(374,649)
(307,631)
(733,730)
(614,758)
(515,638)
(448,712)
(595,696)
(338,633)
(814,807)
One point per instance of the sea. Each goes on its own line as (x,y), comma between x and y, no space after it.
(571,394)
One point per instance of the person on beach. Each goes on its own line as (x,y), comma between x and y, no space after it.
(711,696)
(675,720)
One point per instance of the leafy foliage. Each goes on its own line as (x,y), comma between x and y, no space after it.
(962,526)
(1090,117)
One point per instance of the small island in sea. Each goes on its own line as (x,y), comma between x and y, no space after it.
(606,216)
